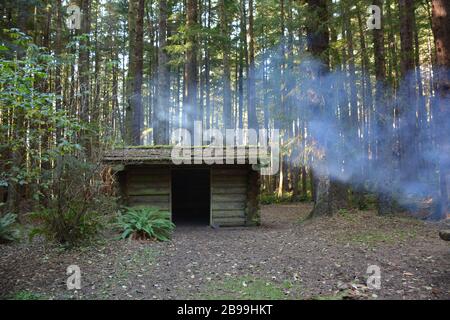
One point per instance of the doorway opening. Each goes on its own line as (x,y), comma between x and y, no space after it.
(191,197)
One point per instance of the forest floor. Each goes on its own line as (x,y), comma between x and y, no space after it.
(288,257)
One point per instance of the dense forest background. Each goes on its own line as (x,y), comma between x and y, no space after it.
(363,113)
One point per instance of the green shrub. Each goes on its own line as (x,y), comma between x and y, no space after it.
(146,223)
(80,206)
(8,229)
(69,227)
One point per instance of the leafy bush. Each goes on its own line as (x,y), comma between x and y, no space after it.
(146,223)
(8,230)
(80,206)
(67,227)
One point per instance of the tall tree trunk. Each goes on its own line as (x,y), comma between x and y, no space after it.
(329,194)
(190,105)
(421,107)
(95,112)
(162,105)
(407,102)
(134,110)
(293,124)
(226,79)
(132,13)
(152,63)
(207,71)
(383,130)
(58,72)
(84,79)
(441,31)
(251,86)
(368,114)
(138,112)
(280,93)
(351,115)
(243,62)
(392,74)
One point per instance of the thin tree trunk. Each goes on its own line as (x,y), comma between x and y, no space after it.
(243,53)
(208,72)
(226,79)
(58,71)
(251,85)
(84,79)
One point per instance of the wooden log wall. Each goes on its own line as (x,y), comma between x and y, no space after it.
(148,186)
(229,196)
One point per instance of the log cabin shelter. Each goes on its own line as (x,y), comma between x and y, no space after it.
(217,195)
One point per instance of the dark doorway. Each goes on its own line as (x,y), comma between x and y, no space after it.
(191,196)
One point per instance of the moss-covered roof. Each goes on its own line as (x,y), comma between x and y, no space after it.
(163,154)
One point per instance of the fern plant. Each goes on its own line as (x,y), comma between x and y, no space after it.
(8,230)
(145,223)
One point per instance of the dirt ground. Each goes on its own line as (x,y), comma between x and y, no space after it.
(286,258)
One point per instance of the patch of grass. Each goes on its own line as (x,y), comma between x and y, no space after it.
(26,295)
(374,237)
(406,219)
(368,228)
(145,256)
(304,219)
(141,259)
(347,215)
(248,288)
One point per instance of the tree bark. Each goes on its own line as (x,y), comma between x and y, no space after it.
(243,62)
(84,79)
(384,120)
(138,112)
(58,52)
(407,102)
(134,110)
(251,86)
(441,31)
(226,78)
(329,194)
(190,105)
(160,121)
(208,71)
